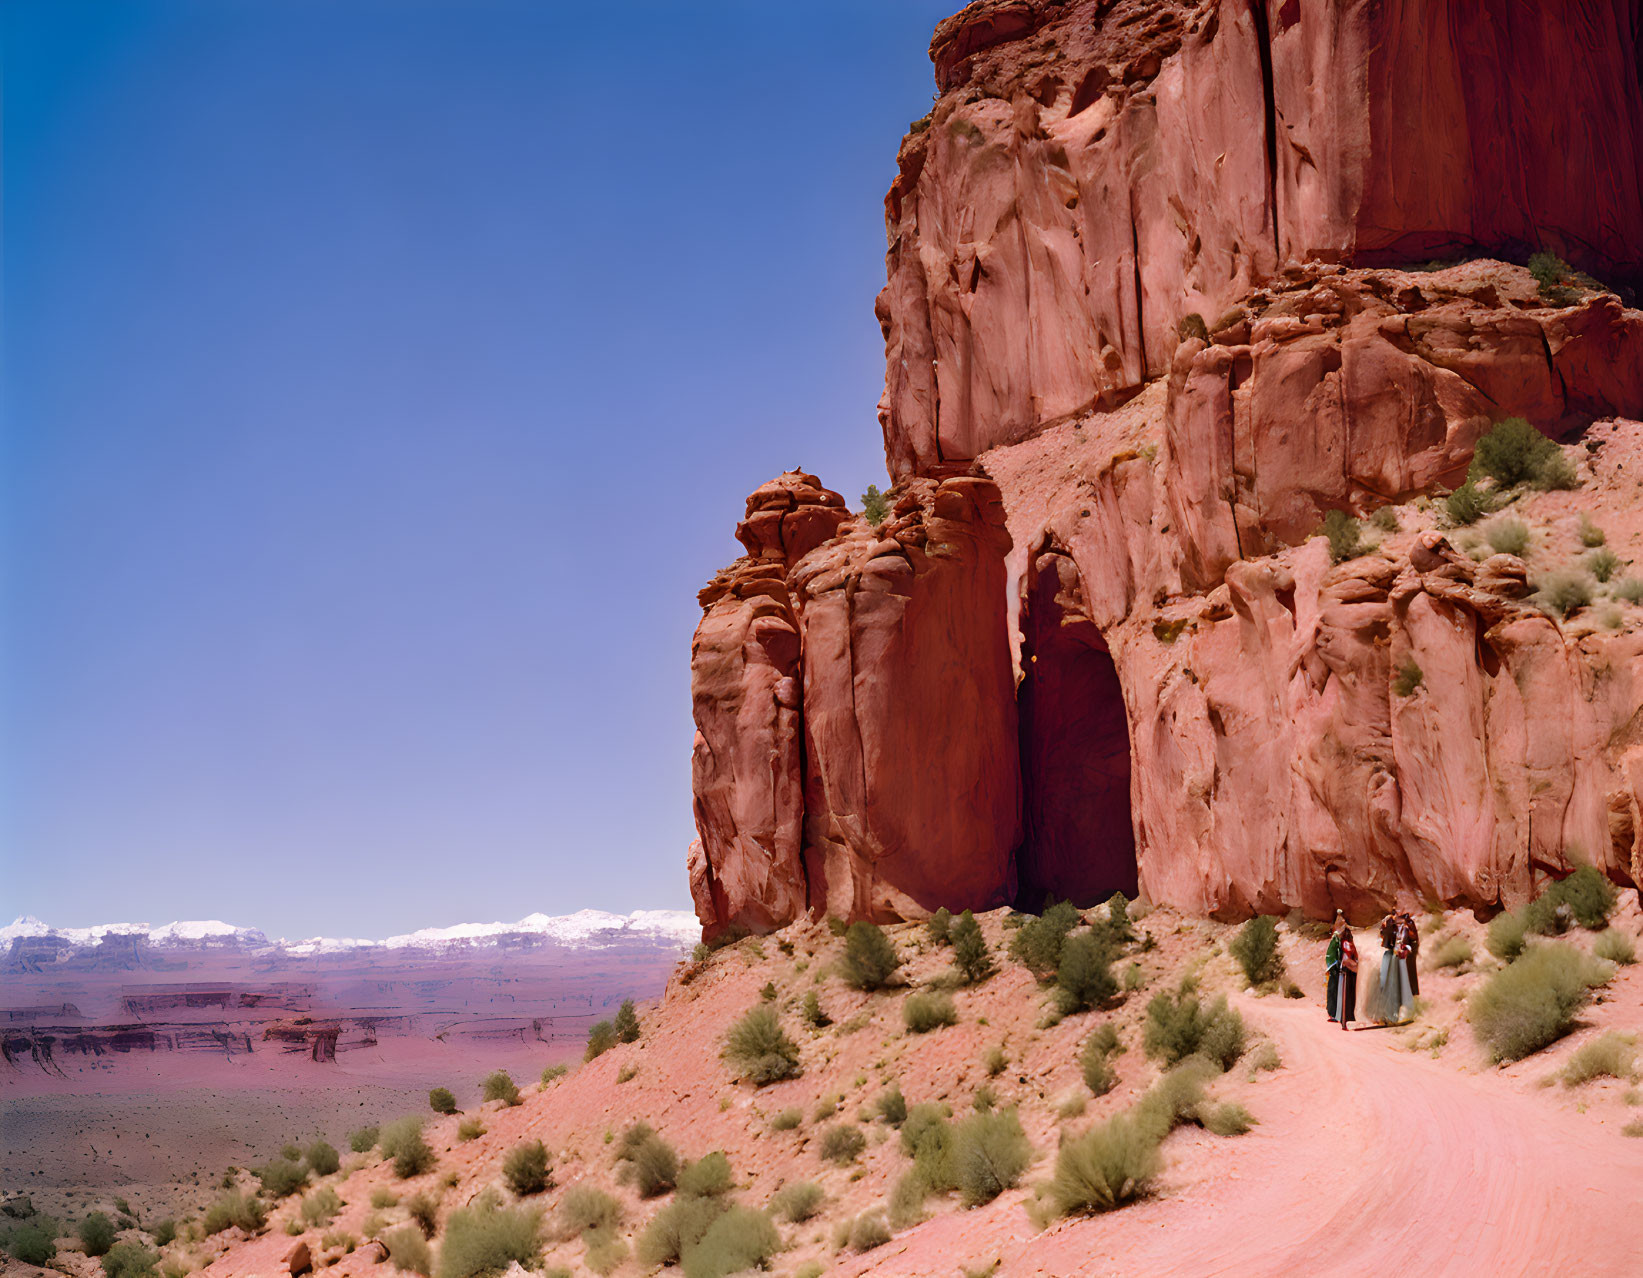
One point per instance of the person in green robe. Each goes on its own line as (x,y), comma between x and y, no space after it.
(1332,963)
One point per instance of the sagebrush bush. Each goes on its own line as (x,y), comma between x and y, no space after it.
(584,1207)
(499,1086)
(408,1250)
(322,1158)
(649,1163)
(938,925)
(553,1072)
(990,1151)
(1345,536)
(1453,951)
(927,1138)
(34,1242)
(1468,504)
(1407,678)
(1180,1025)
(1038,942)
(470,1129)
(402,1142)
(758,1050)
(526,1168)
(813,1013)
(164,1233)
(708,1177)
(487,1237)
(1589,533)
(1096,1060)
(1590,896)
(891,1105)
(995,1061)
(798,1201)
(1630,590)
(234,1210)
(1176,1098)
(291,1153)
(1505,938)
(626,1023)
(1513,452)
(423,1209)
(922,1013)
(787,1120)
(1532,1001)
(1565,592)
(96,1234)
(1610,1055)
(130,1260)
(441,1101)
(1507,536)
(842,1143)
(1230,1119)
(870,957)
(868,1231)
(383,1198)
(1114,1163)
(1256,948)
(281,1178)
(676,1229)
(972,959)
(362,1140)
(321,1206)
(739,1239)
(1602,563)
(1084,978)
(1615,946)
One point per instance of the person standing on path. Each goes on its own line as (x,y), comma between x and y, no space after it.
(1346,989)
(1332,964)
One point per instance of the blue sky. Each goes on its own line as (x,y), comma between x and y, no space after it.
(381,381)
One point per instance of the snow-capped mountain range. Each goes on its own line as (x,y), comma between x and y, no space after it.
(585,927)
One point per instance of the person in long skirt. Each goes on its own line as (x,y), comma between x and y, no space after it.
(1389,994)
(1414,935)
(1332,963)
(1346,990)
(1403,965)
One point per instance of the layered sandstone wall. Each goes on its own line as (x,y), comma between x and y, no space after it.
(1098,645)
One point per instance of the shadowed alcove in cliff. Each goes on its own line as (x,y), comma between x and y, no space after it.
(1075,748)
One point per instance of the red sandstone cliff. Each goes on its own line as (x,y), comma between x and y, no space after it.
(1202,703)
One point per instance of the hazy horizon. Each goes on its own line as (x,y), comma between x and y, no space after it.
(381,383)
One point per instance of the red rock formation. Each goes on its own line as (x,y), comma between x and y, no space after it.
(1095,171)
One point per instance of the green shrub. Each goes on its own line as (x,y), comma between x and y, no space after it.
(1084,978)
(627,1022)
(870,958)
(1565,592)
(1385,518)
(1038,942)
(842,1143)
(1096,1060)
(164,1233)
(1256,949)
(382,1199)
(1176,1098)
(1590,534)
(423,1209)
(34,1242)
(769,993)
(1609,1055)
(586,1207)
(891,1105)
(498,1086)
(1505,938)
(281,1178)
(868,1231)
(875,505)
(322,1158)
(927,1138)
(130,1260)
(1558,473)
(470,1129)
(441,1101)
(1114,1163)
(1630,590)
(1532,1001)
(1513,452)
(1507,536)
(362,1140)
(526,1168)
(601,1038)
(1452,952)
(938,926)
(1602,563)
(1230,1119)
(739,1239)
(972,959)
(291,1153)
(1615,946)
(650,1164)
(786,1121)
(1179,1025)
(990,1151)
(487,1237)
(402,1141)
(320,1207)
(234,1210)
(813,1013)
(1549,270)
(676,1229)
(1468,504)
(708,1177)
(1407,678)
(408,1251)
(553,1072)
(1589,895)
(995,1061)
(1345,537)
(924,1012)
(757,1049)
(605,1250)
(798,1201)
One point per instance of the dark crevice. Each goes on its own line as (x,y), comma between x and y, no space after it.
(1263,40)
(1135,262)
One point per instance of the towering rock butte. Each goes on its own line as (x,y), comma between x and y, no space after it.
(1153,308)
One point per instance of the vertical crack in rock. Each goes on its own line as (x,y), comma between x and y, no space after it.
(1263,39)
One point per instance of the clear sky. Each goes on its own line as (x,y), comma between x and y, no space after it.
(381,381)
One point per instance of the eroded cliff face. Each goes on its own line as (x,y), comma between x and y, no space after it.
(1098,646)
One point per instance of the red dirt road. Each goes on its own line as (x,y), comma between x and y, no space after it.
(1367,1159)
